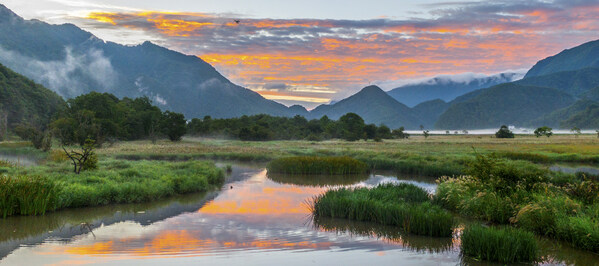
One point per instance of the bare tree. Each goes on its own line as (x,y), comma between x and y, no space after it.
(81,159)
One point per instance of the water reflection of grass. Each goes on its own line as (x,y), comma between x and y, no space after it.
(318,180)
(389,233)
(22,227)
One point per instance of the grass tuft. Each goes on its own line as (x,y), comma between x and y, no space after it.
(504,245)
(314,165)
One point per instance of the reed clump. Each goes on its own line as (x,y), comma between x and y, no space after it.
(315,165)
(504,245)
(403,205)
(27,195)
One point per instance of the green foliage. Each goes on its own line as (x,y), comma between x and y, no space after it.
(102,116)
(25,102)
(174,125)
(40,140)
(504,245)
(27,195)
(127,182)
(543,131)
(352,126)
(508,103)
(426,134)
(403,205)
(400,134)
(586,119)
(504,133)
(265,127)
(306,165)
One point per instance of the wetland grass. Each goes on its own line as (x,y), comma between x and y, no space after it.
(27,195)
(504,245)
(315,165)
(403,205)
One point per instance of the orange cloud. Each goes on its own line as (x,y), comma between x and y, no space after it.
(347,55)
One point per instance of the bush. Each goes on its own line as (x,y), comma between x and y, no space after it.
(504,133)
(313,165)
(506,245)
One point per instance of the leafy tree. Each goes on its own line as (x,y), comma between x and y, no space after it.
(174,125)
(576,131)
(426,134)
(41,140)
(543,131)
(352,126)
(504,133)
(384,132)
(400,133)
(370,131)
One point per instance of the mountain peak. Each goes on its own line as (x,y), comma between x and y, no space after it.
(372,88)
(6,15)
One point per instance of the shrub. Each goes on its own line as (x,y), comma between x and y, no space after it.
(313,165)
(505,245)
(504,133)
(536,218)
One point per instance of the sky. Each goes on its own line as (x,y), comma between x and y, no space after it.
(311,52)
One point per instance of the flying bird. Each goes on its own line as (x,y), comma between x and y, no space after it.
(237,21)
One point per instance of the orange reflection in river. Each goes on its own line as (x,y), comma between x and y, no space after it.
(252,202)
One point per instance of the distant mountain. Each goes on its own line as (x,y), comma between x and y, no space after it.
(428,112)
(585,119)
(583,56)
(555,118)
(71,62)
(510,104)
(592,94)
(447,88)
(25,101)
(574,82)
(374,106)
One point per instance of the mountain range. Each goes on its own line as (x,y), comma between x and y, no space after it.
(447,88)
(560,91)
(71,61)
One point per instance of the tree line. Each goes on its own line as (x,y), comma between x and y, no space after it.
(262,127)
(103,117)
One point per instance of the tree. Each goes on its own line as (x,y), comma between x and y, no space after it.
(426,134)
(352,126)
(383,132)
(597,133)
(447,132)
(41,140)
(174,125)
(543,131)
(576,131)
(504,133)
(84,160)
(370,131)
(400,133)
(465,132)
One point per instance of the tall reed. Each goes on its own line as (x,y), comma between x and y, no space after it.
(315,165)
(27,195)
(403,205)
(504,245)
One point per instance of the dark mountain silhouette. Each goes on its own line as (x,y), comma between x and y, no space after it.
(582,56)
(509,104)
(374,106)
(72,61)
(574,82)
(557,117)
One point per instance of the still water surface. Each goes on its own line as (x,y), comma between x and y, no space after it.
(255,219)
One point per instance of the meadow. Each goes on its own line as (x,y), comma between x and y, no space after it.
(501,182)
